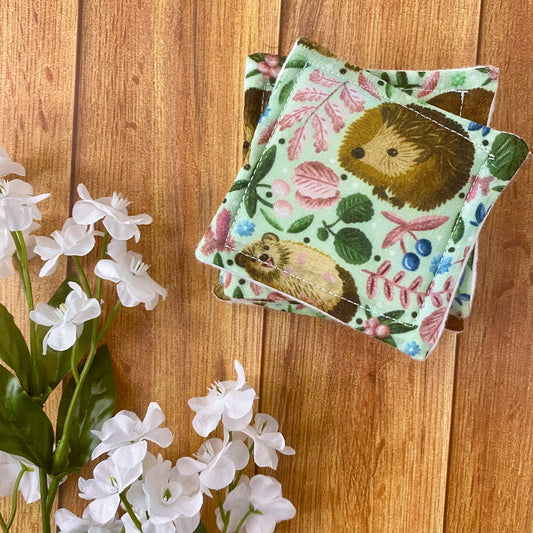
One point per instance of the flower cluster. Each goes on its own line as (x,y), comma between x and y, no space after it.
(138,491)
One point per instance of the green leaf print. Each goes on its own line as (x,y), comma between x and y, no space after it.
(237,293)
(355,208)
(301,224)
(509,152)
(253,73)
(285,91)
(257,57)
(322,234)
(239,185)
(264,165)
(353,246)
(458,229)
(271,220)
(250,202)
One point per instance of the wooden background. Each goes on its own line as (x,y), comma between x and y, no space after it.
(145,97)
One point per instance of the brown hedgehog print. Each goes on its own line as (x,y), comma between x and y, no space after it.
(411,154)
(472,104)
(303,272)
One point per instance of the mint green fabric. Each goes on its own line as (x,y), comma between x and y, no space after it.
(310,226)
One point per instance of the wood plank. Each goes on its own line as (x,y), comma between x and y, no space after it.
(370,426)
(38,66)
(491,463)
(159,118)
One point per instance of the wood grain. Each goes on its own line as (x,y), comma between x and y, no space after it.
(491,466)
(146,99)
(38,65)
(371,427)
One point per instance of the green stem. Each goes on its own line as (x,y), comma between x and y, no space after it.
(83,277)
(226,523)
(73,364)
(45,512)
(264,202)
(3,524)
(129,510)
(23,469)
(20,245)
(109,321)
(243,519)
(221,506)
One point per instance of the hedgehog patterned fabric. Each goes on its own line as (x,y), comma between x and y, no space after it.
(362,194)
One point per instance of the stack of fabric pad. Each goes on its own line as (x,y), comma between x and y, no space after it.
(361,194)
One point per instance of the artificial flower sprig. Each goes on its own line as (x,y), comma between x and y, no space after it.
(65,336)
(133,490)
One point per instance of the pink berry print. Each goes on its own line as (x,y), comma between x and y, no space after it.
(282,208)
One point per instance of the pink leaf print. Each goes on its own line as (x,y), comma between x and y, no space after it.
(210,242)
(429,85)
(420,300)
(448,284)
(309,94)
(393,217)
(416,283)
(432,325)
(436,300)
(319,77)
(384,268)
(393,237)
(398,277)
(222,224)
(372,286)
(367,85)
(334,112)
(295,116)
(316,203)
(256,289)
(388,290)
(267,133)
(427,222)
(352,99)
(404,297)
(321,133)
(315,180)
(296,143)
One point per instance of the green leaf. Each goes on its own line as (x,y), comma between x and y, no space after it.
(385,77)
(295,63)
(322,234)
(458,229)
(486,82)
(498,188)
(301,224)
(250,202)
(285,91)
(257,57)
(54,366)
(389,340)
(13,349)
(389,89)
(24,428)
(509,152)
(355,208)
(400,328)
(353,246)
(271,220)
(264,165)
(483,70)
(391,316)
(95,405)
(237,293)
(217,260)
(239,185)
(252,73)
(401,79)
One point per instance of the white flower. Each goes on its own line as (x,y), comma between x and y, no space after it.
(267,441)
(124,436)
(7,248)
(186,524)
(230,400)
(9,167)
(68,522)
(18,206)
(169,494)
(113,210)
(72,240)
(216,461)
(263,497)
(127,270)
(10,466)
(67,320)
(105,488)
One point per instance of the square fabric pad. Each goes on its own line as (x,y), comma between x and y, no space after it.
(359,201)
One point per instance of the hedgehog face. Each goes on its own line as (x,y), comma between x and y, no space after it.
(388,152)
(409,154)
(263,259)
